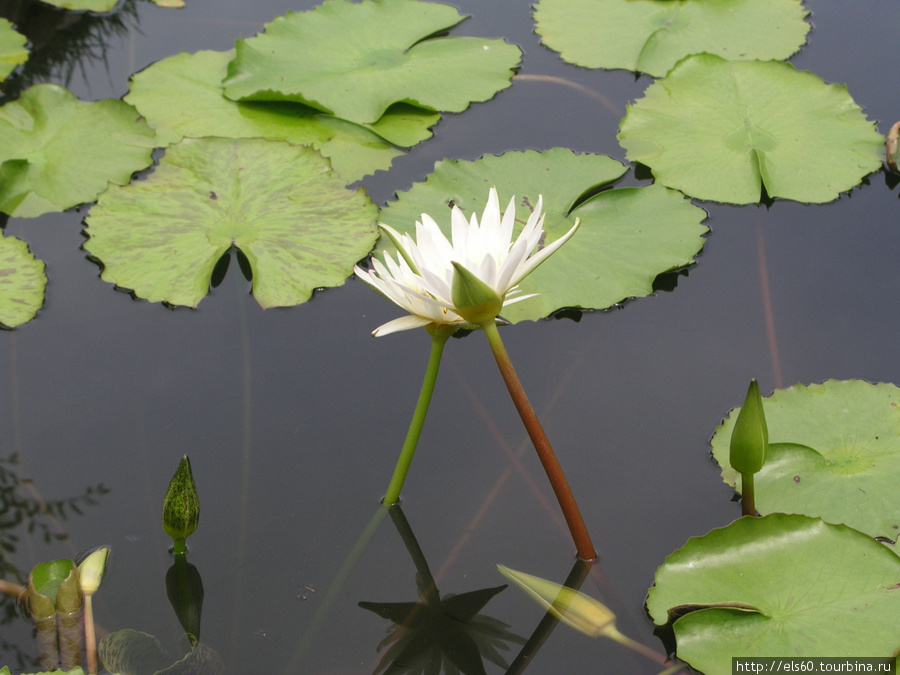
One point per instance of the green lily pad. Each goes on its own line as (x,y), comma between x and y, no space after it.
(84,5)
(22,282)
(355,60)
(280,204)
(12,48)
(181,96)
(57,151)
(722,130)
(650,36)
(834,452)
(784,585)
(627,236)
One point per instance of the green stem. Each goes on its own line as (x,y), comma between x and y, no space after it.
(179,547)
(748,498)
(554,471)
(439,336)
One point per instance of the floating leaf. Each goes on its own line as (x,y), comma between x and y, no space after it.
(723,130)
(280,204)
(12,48)
(168,3)
(57,151)
(627,236)
(783,584)
(834,452)
(357,59)
(22,282)
(181,96)
(84,5)
(650,36)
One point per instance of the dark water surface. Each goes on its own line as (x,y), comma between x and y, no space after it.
(293,417)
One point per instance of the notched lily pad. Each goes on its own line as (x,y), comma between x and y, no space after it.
(650,36)
(22,282)
(280,204)
(57,152)
(724,130)
(181,96)
(355,60)
(12,48)
(627,237)
(834,452)
(783,584)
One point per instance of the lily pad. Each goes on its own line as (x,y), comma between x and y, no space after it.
(181,96)
(280,204)
(784,585)
(627,237)
(22,282)
(12,48)
(355,60)
(834,452)
(724,130)
(650,36)
(57,151)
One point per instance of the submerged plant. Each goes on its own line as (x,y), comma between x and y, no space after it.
(467,282)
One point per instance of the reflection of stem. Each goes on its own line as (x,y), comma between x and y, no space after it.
(542,445)
(334,590)
(748,499)
(636,646)
(767,302)
(429,587)
(439,335)
(574,85)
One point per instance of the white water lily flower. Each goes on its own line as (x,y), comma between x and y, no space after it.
(421,279)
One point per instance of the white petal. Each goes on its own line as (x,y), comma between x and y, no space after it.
(535,260)
(407,322)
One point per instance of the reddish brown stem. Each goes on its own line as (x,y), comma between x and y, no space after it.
(558,482)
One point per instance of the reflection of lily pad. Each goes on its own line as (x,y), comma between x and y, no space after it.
(627,236)
(723,130)
(181,96)
(834,452)
(650,36)
(785,585)
(280,204)
(12,48)
(357,59)
(22,282)
(84,5)
(57,151)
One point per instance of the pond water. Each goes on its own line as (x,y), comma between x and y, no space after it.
(293,417)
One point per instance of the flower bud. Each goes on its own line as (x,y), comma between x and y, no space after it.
(181,506)
(473,299)
(750,438)
(91,570)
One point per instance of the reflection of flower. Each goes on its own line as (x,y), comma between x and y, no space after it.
(442,635)
(422,278)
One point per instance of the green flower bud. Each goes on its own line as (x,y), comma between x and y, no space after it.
(473,299)
(181,506)
(91,570)
(750,438)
